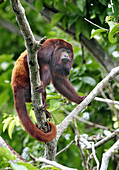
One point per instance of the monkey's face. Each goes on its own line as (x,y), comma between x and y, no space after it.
(65,55)
(62,61)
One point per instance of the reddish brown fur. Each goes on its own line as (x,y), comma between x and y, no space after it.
(53,68)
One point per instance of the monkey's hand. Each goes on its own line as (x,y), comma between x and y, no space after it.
(83,97)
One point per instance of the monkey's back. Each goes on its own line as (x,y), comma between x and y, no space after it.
(20,73)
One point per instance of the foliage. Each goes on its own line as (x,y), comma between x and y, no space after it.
(5,156)
(6,159)
(113,29)
(84,76)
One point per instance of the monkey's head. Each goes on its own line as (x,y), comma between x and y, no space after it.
(62,58)
(58,54)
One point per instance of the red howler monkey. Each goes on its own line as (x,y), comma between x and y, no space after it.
(55,59)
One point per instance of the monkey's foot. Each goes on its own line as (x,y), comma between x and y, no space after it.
(40,89)
(48,115)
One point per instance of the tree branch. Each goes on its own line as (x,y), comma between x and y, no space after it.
(9,26)
(32,47)
(108,101)
(3,143)
(13,28)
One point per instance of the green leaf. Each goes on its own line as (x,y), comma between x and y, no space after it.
(49,3)
(54,105)
(11,127)
(114,31)
(23,166)
(60,5)
(110,21)
(89,80)
(56,18)
(77,30)
(97,32)
(53,96)
(103,2)
(16,118)
(71,8)
(58,116)
(111,25)
(116,124)
(28,166)
(72,20)
(6,57)
(15,166)
(81,4)
(38,5)
(64,22)
(81,24)
(6,123)
(5,153)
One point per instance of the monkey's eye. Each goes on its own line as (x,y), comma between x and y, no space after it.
(69,51)
(61,50)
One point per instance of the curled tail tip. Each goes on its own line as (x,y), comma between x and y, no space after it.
(52,133)
(45,137)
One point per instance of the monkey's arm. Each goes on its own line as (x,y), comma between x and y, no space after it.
(64,87)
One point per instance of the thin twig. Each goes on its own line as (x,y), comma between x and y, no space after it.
(77,138)
(89,123)
(94,124)
(90,157)
(112,6)
(95,24)
(113,109)
(94,155)
(64,149)
(108,154)
(106,100)
(111,95)
(101,142)
(52,163)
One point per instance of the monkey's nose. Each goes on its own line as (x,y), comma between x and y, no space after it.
(65,59)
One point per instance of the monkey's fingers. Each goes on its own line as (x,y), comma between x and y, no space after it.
(40,89)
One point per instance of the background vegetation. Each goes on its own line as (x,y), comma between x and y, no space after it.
(66,20)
